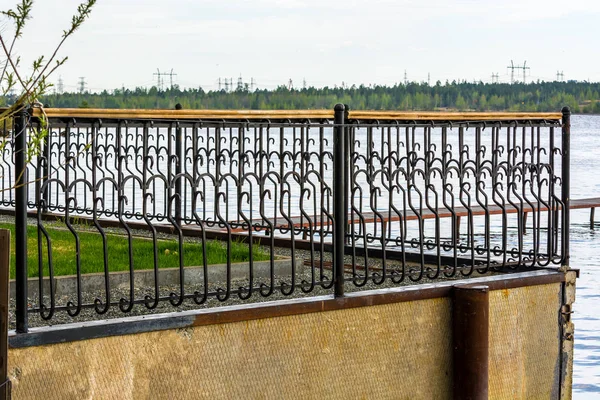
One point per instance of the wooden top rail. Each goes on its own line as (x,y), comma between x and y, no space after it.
(187,114)
(290,114)
(452,116)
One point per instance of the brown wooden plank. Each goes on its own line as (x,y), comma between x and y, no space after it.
(292,114)
(585,203)
(187,114)
(452,116)
(428,214)
(4,277)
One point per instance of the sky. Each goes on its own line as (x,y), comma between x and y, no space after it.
(314,42)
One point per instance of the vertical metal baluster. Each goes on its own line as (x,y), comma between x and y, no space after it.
(350,216)
(41,205)
(46,167)
(389,177)
(324,209)
(553,202)
(97,159)
(240,177)
(535,213)
(178,169)
(179,160)
(521,217)
(70,197)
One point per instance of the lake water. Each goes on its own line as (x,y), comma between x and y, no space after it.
(585,255)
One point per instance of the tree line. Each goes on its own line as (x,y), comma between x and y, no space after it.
(582,97)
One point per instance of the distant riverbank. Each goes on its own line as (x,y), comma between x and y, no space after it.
(581,97)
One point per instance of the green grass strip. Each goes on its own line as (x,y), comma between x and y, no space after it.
(92,253)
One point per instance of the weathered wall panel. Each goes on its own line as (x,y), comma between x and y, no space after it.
(525,343)
(394,351)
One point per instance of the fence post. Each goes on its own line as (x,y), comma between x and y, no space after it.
(178,168)
(339,196)
(5,384)
(470,341)
(566,182)
(20,132)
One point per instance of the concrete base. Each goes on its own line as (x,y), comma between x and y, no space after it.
(67,285)
(385,344)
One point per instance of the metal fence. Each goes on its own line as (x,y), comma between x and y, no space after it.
(352,197)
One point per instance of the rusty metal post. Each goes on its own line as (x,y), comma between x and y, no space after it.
(470,340)
(567,329)
(5,384)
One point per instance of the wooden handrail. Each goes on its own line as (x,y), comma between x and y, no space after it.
(291,114)
(187,114)
(451,116)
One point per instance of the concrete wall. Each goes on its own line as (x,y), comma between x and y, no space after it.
(400,350)
(525,343)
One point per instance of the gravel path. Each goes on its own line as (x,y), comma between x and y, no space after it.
(61,317)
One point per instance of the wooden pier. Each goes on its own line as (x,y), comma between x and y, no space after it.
(442,212)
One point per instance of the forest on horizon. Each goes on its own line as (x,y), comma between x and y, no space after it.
(581,97)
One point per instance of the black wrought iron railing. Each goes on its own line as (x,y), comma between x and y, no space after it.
(352,197)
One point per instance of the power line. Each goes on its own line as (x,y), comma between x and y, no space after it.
(495,78)
(560,76)
(61,85)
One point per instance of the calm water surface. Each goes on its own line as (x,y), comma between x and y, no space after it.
(585,254)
